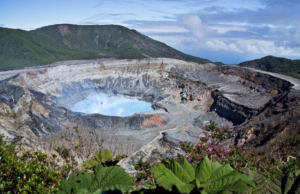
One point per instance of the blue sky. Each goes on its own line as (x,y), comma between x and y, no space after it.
(230,31)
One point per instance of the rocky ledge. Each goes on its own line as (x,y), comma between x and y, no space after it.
(258,106)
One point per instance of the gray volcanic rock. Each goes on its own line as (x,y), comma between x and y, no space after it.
(36,103)
(10,94)
(174,137)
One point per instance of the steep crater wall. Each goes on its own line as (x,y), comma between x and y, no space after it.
(237,93)
(269,87)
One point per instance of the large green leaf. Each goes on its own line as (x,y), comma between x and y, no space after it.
(164,177)
(209,177)
(85,191)
(232,181)
(184,170)
(179,177)
(221,172)
(103,179)
(213,177)
(215,166)
(82,191)
(110,178)
(238,185)
(75,184)
(70,186)
(84,180)
(204,170)
(61,192)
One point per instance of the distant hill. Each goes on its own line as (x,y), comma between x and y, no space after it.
(19,48)
(276,65)
(218,63)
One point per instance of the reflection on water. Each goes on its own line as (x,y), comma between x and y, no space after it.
(111,106)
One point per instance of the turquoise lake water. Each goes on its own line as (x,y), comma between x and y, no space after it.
(111,106)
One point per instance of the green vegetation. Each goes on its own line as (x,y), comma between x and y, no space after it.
(281,159)
(207,167)
(102,179)
(276,65)
(186,146)
(218,63)
(29,173)
(286,184)
(103,157)
(19,48)
(215,132)
(209,177)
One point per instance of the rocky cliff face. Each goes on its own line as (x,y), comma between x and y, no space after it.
(35,103)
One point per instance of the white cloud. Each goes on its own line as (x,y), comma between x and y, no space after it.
(253,46)
(233,47)
(223,30)
(194,24)
(162,29)
(216,45)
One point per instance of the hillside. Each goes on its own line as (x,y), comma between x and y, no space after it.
(276,65)
(19,48)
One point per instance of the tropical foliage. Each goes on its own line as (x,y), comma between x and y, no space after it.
(289,183)
(103,179)
(207,177)
(207,167)
(29,173)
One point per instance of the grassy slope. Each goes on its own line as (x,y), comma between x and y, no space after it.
(275,64)
(19,48)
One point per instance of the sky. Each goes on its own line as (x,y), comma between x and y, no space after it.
(230,31)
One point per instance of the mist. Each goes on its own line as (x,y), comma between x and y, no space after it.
(111,106)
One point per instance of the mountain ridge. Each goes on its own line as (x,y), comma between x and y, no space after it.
(276,65)
(59,42)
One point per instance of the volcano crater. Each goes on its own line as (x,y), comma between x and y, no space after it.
(184,96)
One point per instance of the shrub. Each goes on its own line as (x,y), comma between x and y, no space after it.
(104,157)
(216,132)
(29,173)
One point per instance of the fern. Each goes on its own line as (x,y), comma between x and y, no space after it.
(209,177)
(103,179)
(286,184)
